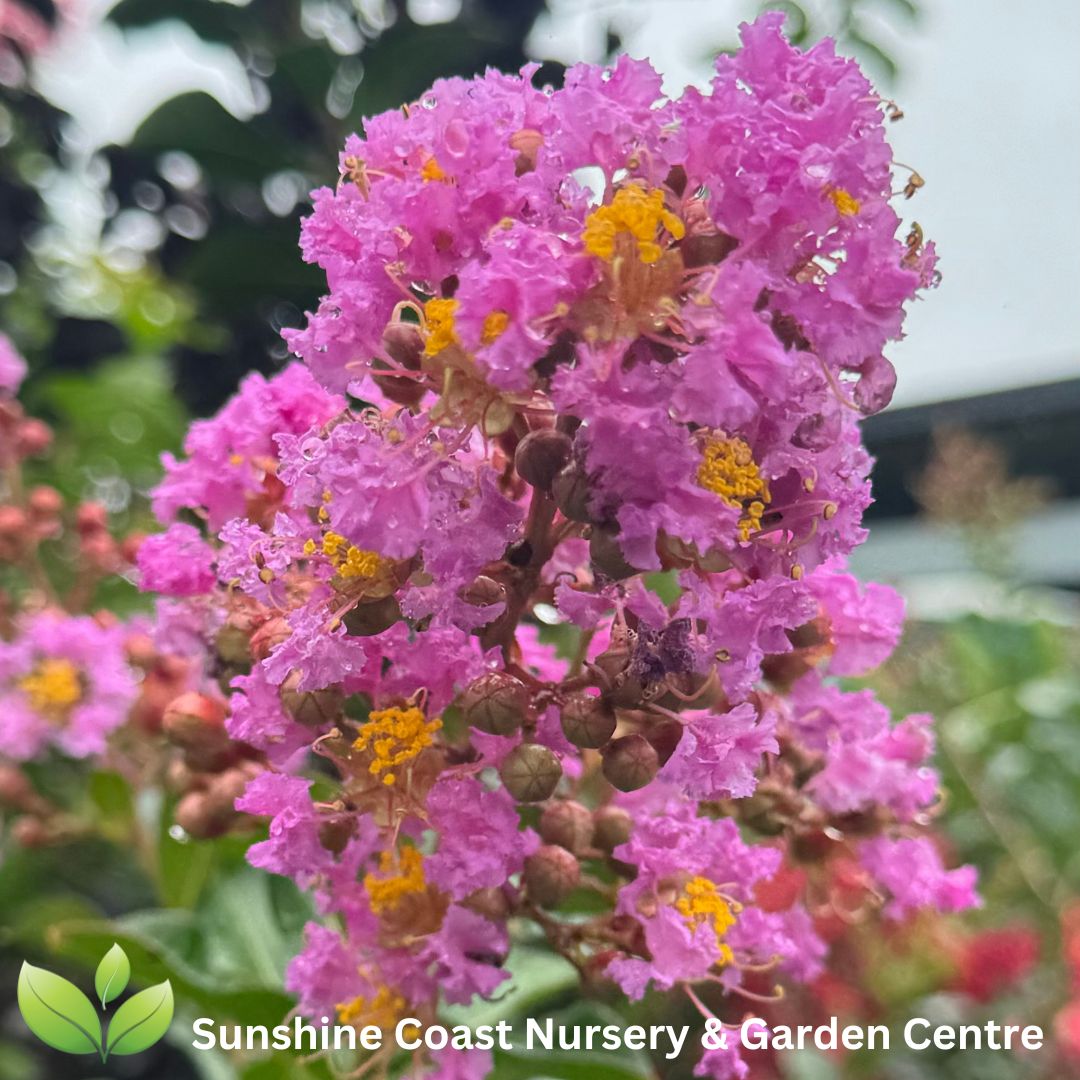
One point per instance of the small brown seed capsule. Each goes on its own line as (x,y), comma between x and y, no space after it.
(200,816)
(530,772)
(495,703)
(313,708)
(568,824)
(551,875)
(483,591)
(541,455)
(612,826)
(571,491)
(664,738)
(607,556)
(630,762)
(587,721)
(373,617)
(491,903)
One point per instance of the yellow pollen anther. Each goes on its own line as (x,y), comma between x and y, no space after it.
(395,736)
(439,325)
(728,469)
(495,324)
(402,874)
(350,561)
(845,202)
(701,903)
(382,1011)
(635,211)
(236,459)
(432,170)
(53,686)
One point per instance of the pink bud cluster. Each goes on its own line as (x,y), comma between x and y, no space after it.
(542,552)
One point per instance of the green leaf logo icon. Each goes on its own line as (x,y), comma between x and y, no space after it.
(141,1020)
(63,1017)
(58,1012)
(112,976)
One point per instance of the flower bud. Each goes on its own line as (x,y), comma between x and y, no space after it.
(45,501)
(530,772)
(198,815)
(372,617)
(313,708)
(268,636)
(551,875)
(194,721)
(541,455)
(567,824)
(404,344)
(16,791)
(612,826)
(495,703)
(587,721)
(571,491)
(630,762)
(233,645)
(607,556)
(31,832)
(398,388)
(33,437)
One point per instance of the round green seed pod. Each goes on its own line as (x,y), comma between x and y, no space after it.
(587,721)
(495,703)
(630,762)
(530,772)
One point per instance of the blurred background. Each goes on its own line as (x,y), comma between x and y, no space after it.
(155,159)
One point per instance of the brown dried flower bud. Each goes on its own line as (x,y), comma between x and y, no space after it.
(495,703)
(541,455)
(612,825)
(630,762)
(551,874)
(530,772)
(587,721)
(664,737)
(404,344)
(568,824)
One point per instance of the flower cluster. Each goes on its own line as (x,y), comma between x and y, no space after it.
(561,603)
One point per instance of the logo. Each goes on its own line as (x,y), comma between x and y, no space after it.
(63,1017)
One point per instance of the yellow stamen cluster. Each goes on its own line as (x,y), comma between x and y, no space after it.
(395,736)
(439,325)
(382,1011)
(728,469)
(350,561)
(701,903)
(635,211)
(432,170)
(53,686)
(402,875)
(495,324)
(845,202)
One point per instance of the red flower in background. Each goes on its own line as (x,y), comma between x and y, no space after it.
(993,961)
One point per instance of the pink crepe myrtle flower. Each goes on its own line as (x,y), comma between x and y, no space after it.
(177,562)
(64,682)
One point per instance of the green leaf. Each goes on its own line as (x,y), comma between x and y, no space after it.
(58,1012)
(112,976)
(141,1021)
